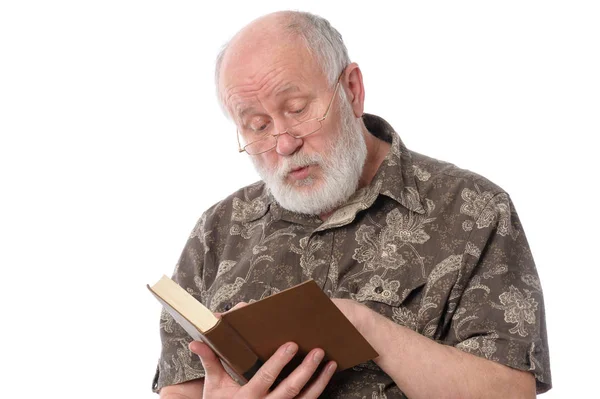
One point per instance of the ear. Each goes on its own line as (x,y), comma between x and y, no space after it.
(352,82)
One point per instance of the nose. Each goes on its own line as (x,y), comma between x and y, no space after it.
(287,144)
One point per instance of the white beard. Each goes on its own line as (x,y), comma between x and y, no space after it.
(341,169)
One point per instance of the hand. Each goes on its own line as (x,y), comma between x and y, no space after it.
(237,306)
(218,384)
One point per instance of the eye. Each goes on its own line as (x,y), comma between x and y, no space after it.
(298,106)
(260,126)
(257,124)
(299,111)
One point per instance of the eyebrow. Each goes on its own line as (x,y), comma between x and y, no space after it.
(287,88)
(290,87)
(243,111)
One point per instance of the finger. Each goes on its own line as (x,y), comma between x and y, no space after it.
(211,363)
(293,384)
(317,387)
(237,306)
(260,383)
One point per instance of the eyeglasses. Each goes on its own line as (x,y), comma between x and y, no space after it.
(300,130)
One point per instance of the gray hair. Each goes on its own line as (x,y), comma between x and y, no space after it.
(321,39)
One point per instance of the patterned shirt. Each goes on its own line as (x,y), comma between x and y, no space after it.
(435,248)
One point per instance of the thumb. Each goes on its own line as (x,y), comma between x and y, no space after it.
(237,306)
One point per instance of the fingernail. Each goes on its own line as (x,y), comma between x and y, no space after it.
(318,357)
(331,367)
(291,348)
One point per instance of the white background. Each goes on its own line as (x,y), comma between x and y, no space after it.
(112,144)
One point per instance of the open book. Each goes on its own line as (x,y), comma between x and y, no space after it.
(246,337)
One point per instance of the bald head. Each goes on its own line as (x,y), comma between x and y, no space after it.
(282,35)
(265,29)
(266,40)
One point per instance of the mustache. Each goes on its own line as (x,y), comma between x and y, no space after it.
(296,161)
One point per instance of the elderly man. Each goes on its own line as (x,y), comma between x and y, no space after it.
(427,260)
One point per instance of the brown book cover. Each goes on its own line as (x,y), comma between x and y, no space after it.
(246,337)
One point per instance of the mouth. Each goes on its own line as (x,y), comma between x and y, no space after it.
(300,172)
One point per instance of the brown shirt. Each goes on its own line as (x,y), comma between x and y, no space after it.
(432,247)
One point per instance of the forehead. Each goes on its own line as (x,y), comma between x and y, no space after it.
(262,71)
(243,103)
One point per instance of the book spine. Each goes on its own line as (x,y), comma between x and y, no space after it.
(235,354)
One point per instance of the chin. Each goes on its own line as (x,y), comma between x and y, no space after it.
(306,196)
(305,185)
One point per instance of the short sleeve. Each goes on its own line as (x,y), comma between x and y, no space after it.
(177,363)
(500,315)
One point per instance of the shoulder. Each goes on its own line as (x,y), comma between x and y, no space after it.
(466,197)
(435,177)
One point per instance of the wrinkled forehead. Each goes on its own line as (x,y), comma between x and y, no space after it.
(265,68)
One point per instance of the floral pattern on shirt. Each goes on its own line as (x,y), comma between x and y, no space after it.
(435,248)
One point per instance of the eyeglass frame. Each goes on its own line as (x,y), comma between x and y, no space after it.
(286,131)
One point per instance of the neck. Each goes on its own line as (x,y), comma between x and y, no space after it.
(377,150)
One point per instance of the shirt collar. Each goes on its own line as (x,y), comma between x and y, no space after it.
(395,177)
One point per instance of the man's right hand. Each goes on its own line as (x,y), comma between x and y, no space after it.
(218,384)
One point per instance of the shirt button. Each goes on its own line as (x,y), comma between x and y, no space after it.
(228,307)
(378,290)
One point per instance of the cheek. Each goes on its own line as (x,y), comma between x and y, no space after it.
(322,143)
(268,160)
(321,139)
(332,131)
